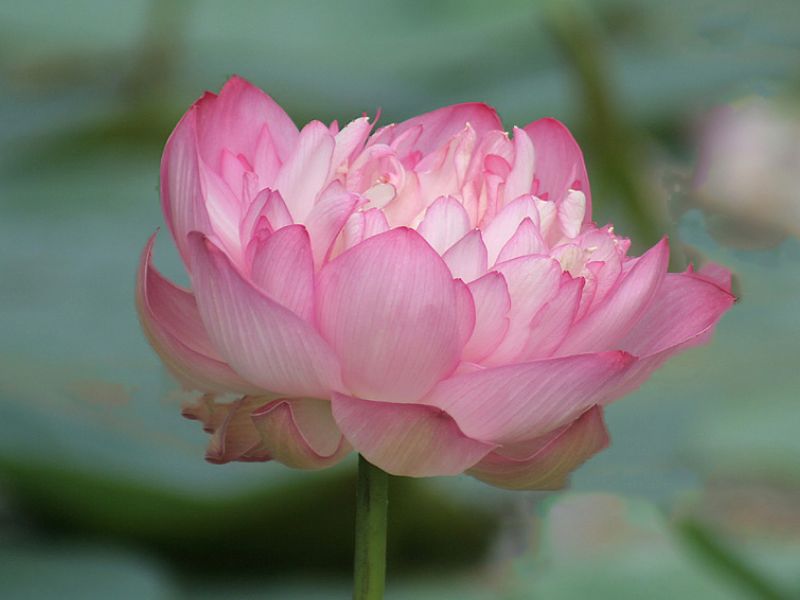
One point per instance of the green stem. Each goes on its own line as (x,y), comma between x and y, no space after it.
(369,570)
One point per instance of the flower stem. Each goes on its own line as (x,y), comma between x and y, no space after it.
(369,570)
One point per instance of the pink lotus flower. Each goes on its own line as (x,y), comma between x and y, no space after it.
(433,295)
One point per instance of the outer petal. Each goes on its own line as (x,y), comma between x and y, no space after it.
(300,433)
(559,162)
(172,325)
(265,342)
(685,306)
(305,173)
(386,306)
(439,126)
(605,326)
(182,199)
(522,401)
(283,269)
(407,439)
(548,467)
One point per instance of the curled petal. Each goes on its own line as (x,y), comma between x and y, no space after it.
(522,401)
(407,439)
(386,307)
(549,465)
(264,341)
(300,433)
(173,326)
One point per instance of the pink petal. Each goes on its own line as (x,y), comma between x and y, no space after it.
(172,325)
(559,162)
(550,465)
(525,241)
(386,307)
(532,281)
(467,258)
(182,199)
(305,172)
(492,303)
(407,439)
(267,205)
(350,140)
(283,268)
(439,126)
(444,224)
(235,120)
(607,324)
(265,342)
(499,231)
(465,311)
(552,323)
(522,401)
(300,433)
(520,179)
(326,219)
(685,306)
(571,213)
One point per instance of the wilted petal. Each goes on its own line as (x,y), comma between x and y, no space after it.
(233,434)
(264,341)
(522,401)
(407,439)
(549,466)
(300,433)
(386,307)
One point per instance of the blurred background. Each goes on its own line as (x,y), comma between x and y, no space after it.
(103,489)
